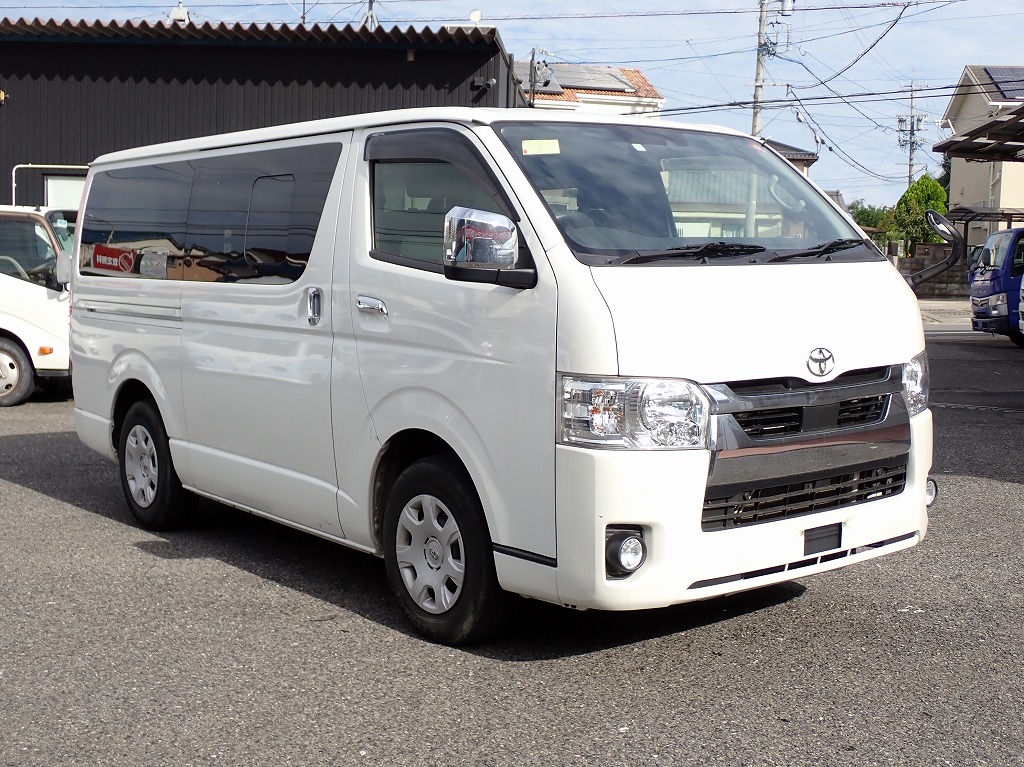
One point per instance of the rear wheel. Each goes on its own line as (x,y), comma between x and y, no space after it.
(438,553)
(17,378)
(151,487)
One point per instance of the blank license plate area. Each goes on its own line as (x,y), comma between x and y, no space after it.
(825,538)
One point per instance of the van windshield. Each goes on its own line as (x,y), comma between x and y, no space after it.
(640,194)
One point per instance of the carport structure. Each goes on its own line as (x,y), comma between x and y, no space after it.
(968,216)
(998,140)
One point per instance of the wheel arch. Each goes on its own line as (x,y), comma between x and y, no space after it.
(399,452)
(15,338)
(128,393)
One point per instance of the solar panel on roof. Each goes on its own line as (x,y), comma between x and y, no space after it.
(591,78)
(1009,80)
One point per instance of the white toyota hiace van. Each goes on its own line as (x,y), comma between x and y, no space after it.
(33,304)
(605,362)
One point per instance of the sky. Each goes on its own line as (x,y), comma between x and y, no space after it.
(838,76)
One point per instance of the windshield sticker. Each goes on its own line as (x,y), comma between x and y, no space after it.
(541,146)
(640,147)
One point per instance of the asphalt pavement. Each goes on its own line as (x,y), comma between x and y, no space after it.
(945,314)
(236,642)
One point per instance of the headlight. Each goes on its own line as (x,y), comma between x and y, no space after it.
(641,413)
(915,384)
(997,305)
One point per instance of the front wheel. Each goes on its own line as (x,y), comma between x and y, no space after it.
(1017,337)
(17,378)
(438,553)
(151,487)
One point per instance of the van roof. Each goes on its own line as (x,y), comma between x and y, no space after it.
(461,115)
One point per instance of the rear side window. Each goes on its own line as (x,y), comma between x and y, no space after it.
(253,217)
(248,217)
(136,215)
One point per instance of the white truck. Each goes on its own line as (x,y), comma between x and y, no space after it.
(34,306)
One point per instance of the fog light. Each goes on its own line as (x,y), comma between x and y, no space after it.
(931,492)
(625,552)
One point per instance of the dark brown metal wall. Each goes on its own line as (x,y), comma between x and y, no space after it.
(69,102)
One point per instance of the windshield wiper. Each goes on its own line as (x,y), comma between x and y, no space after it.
(706,251)
(822,249)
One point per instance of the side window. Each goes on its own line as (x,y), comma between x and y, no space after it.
(1018,259)
(410,200)
(134,222)
(417,175)
(26,251)
(249,216)
(253,216)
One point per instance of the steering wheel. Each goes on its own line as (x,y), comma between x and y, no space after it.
(17,267)
(574,219)
(794,207)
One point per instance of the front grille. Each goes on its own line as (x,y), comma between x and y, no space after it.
(776,422)
(791,385)
(809,495)
(861,411)
(770,423)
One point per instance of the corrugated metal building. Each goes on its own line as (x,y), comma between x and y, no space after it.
(75,90)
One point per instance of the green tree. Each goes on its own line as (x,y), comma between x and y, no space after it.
(946,175)
(873,216)
(908,215)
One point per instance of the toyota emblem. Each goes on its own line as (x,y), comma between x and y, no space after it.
(821,362)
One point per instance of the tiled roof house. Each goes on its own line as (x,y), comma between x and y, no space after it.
(591,88)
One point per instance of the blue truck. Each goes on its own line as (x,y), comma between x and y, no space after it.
(995,286)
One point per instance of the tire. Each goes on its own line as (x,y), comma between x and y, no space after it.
(438,554)
(1017,337)
(17,376)
(151,487)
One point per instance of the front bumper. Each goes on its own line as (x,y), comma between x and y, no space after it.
(998,325)
(663,494)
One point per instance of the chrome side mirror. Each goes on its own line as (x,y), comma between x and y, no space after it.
(484,247)
(479,240)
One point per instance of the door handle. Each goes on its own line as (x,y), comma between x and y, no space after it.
(315,302)
(371,306)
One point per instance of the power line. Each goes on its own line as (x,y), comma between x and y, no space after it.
(521,17)
(864,97)
(839,152)
(862,53)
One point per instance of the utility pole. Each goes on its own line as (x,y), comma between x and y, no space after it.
(765,48)
(540,73)
(370,20)
(909,126)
